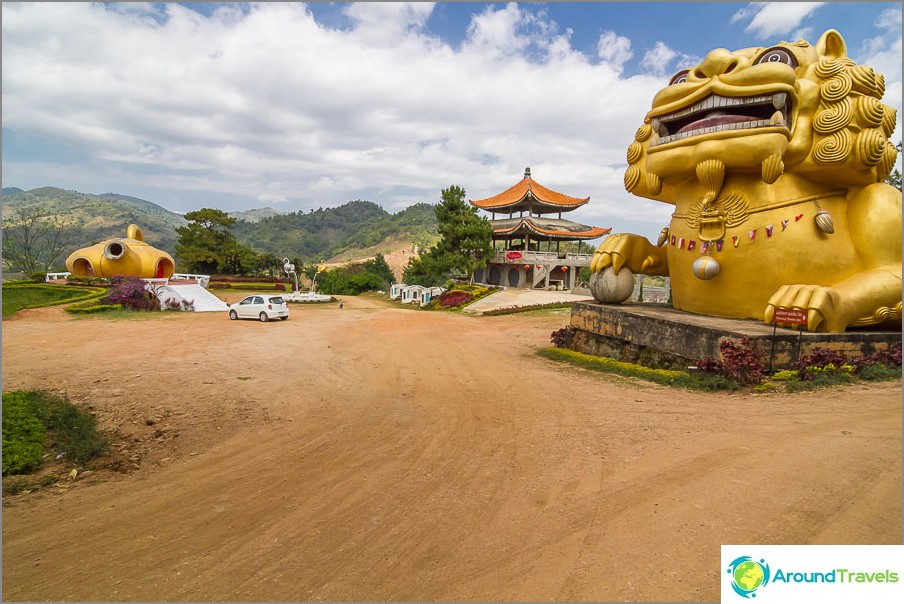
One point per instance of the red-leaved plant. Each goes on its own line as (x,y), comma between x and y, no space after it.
(739,361)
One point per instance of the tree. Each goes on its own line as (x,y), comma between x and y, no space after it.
(270,264)
(33,242)
(424,270)
(466,242)
(206,244)
(894,179)
(379,267)
(349,280)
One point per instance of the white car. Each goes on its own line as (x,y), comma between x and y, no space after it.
(260,306)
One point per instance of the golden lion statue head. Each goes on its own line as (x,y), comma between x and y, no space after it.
(822,118)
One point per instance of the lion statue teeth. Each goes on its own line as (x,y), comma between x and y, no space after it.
(774,159)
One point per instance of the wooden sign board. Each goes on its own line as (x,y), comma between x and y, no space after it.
(790,316)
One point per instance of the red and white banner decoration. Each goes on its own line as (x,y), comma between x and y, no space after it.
(707,246)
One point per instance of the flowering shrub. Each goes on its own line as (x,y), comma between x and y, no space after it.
(129,292)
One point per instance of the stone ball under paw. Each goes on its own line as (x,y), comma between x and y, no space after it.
(609,288)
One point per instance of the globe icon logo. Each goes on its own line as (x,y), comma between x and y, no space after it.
(748,575)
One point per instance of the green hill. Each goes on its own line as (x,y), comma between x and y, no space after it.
(324,233)
(99,217)
(353,230)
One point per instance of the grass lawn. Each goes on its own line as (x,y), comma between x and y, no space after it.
(33,295)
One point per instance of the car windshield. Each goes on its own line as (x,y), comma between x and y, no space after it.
(276,300)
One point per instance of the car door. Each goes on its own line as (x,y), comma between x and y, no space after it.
(258,305)
(246,308)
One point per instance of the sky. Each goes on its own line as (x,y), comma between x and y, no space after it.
(299,106)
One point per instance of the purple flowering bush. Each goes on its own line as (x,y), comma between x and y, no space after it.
(129,292)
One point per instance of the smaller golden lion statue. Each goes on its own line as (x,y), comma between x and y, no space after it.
(129,256)
(774,159)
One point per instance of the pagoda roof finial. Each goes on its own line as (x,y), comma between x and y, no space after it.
(528,194)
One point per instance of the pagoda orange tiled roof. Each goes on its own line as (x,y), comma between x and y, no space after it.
(529,190)
(555,229)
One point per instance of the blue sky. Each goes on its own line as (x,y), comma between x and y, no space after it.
(298,106)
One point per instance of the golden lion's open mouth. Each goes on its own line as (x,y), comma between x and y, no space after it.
(717,113)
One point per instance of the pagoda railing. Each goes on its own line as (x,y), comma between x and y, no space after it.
(519,256)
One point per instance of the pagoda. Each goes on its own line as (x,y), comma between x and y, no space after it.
(527,218)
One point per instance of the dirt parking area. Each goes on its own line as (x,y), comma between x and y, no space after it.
(375,453)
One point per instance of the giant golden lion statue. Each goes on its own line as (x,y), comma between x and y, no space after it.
(774,159)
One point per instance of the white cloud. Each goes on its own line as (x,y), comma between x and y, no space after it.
(614,49)
(662,60)
(770,19)
(496,31)
(658,58)
(388,21)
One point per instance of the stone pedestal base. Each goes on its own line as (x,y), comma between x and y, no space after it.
(659,336)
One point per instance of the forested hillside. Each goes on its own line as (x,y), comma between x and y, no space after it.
(324,233)
(96,217)
(310,236)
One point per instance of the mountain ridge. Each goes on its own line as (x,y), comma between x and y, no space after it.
(354,230)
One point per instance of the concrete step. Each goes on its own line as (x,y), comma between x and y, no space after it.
(202,299)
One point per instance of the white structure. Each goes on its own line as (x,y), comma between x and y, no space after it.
(430,293)
(395,291)
(186,288)
(412,293)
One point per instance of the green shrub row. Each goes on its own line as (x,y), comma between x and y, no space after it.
(666,377)
(90,308)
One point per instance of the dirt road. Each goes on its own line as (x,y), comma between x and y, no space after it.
(374,453)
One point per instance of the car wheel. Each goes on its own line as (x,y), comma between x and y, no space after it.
(283,318)
(264,317)
(233,315)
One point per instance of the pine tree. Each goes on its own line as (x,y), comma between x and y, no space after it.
(466,243)
(206,244)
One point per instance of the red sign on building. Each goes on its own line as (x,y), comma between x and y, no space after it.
(790,316)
